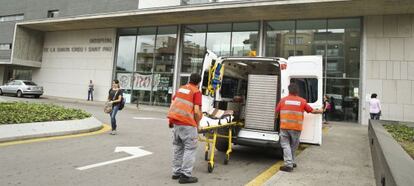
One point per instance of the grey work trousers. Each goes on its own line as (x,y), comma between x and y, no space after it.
(289,140)
(185,140)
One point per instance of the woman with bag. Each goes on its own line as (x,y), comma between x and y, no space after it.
(326,108)
(114,101)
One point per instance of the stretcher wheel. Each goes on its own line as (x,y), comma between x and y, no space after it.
(206,155)
(210,167)
(226,160)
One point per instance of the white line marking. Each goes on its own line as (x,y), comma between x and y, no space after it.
(136,152)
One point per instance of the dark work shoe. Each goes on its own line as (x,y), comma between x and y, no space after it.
(186,179)
(286,168)
(176,177)
(294,165)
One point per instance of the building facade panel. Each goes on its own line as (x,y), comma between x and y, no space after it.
(374,27)
(404,92)
(408,46)
(404,26)
(404,70)
(396,112)
(383,69)
(72,58)
(396,70)
(395,47)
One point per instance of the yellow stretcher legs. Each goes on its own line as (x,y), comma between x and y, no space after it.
(210,137)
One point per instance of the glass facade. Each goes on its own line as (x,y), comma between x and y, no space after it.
(338,41)
(224,39)
(145,63)
(146,56)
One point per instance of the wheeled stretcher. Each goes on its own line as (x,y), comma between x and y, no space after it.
(208,130)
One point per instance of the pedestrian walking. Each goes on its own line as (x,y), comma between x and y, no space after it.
(326,108)
(184,116)
(114,98)
(90,90)
(290,109)
(374,107)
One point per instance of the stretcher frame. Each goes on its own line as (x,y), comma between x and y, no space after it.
(210,134)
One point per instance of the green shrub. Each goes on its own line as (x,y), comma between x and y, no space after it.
(404,135)
(20,112)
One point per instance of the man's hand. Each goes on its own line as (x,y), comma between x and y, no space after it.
(171,125)
(317,111)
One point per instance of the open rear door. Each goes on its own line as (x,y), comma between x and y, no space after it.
(208,100)
(306,72)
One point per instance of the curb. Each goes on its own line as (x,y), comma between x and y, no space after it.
(15,132)
(391,163)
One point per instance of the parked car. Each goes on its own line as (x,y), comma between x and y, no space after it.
(21,88)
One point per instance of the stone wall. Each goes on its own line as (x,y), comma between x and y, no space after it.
(72,58)
(388,65)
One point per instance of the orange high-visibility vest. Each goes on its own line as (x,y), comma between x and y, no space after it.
(291,113)
(182,108)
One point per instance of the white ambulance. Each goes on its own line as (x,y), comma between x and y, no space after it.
(251,87)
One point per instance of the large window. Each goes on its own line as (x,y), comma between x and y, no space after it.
(145,49)
(145,63)
(194,48)
(244,40)
(343,48)
(224,39)
(280,37)
(5,46)
(16,17)
(308,88)
(218,38)
(338,41)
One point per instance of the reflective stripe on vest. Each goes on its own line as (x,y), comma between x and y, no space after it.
(190,104)
(291,116)
(182,112)
(182,108)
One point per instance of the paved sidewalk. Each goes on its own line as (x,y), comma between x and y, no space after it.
(344,158)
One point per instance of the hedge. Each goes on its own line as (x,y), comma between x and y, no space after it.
(20,112)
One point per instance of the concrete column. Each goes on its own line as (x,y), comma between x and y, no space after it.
(177,63)
(2,67)
(261,49)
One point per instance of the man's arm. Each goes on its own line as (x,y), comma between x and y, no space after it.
(309,109)
(277,110)
(197,113)
(317,111)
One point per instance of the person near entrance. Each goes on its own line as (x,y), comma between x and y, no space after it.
(90,90)
(114,98)
(184,116)
(290,109)
(374,107)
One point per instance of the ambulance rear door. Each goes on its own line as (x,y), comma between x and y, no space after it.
(207,100)
(306,72)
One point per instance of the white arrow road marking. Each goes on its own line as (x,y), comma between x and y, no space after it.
(144,118)
(136,152)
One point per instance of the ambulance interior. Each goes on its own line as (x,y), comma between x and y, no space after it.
(238,77)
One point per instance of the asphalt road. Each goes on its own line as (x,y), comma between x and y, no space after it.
(54,162)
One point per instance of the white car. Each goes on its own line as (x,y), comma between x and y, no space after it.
(21,88)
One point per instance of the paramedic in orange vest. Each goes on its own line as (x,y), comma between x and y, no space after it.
(291,110)
(184,116)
